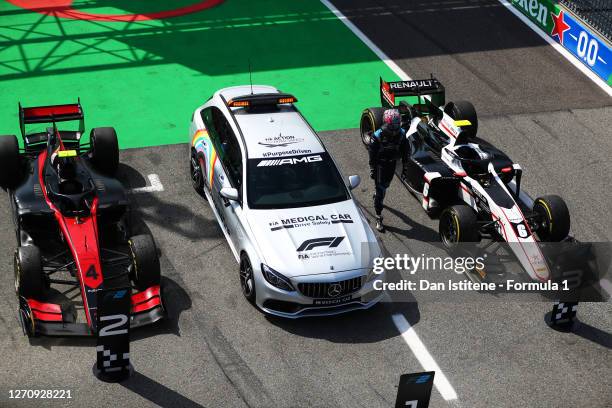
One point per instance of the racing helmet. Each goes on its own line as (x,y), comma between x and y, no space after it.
(392,119)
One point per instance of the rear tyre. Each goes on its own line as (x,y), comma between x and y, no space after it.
(458,224)
(145,263)
(371,120)
(10,170)
(195,170)
(29,276)
(464,110)
(247,278)
(105,150)
(555,218)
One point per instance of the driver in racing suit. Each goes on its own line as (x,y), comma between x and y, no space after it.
(387,145)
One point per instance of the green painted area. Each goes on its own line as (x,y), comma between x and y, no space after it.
(145,78)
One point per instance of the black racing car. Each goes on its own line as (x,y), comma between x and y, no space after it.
(72,226)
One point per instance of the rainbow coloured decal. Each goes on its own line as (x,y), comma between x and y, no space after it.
(202,143)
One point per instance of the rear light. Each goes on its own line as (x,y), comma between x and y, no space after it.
(506,170)
(238,104)
(287,100)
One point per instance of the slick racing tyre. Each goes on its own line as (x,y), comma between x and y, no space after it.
(29,276)
(247,278)
(195,171)
(10,170)
(464,110)
(145,263)
(105,150)
(371,120)
(458,224)
(555,218)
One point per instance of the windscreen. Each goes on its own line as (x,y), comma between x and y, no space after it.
(294,181)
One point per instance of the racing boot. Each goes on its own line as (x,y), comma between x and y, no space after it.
(379,224)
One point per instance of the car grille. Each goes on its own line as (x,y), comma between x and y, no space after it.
(320,290)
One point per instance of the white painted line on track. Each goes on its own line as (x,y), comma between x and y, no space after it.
(419,350)
(565,53)
(428,363)
(606,285)
(380,53)
(154,187)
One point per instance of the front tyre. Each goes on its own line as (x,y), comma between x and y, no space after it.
(458,223)
(29,276)
(247,278)
(195,171)
(145,263)
(554,217)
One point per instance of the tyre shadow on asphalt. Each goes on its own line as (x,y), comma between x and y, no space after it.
(415,231)
(157,393)
(174,217)
(598,336)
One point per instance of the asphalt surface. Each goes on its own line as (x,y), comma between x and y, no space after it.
(479,50)
(217,350)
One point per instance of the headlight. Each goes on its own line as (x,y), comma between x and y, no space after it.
(371,274)
(276,279)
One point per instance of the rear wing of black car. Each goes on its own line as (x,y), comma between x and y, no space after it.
(430,89)
(51,114)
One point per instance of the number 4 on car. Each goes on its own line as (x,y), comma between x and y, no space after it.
(72,226)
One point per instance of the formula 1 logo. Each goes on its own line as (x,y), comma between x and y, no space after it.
(329,242)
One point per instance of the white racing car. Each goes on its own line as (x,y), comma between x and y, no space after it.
(472,185)
(303,246)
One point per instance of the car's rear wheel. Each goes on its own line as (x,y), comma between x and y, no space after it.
(554,218)
(29,276)
(371,120)
(145,262)
(458,223)
(10,170)
(195,170)
(464,110)
(247,278)
(105,149)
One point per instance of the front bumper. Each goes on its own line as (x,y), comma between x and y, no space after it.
(50,319)
(295,304)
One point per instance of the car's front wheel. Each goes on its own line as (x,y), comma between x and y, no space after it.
(247,278)
(195,171)
(29,276)
(145,262)
(555,218)
(458,223)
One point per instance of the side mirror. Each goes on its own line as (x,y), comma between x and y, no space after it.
(229,193)
(354,182)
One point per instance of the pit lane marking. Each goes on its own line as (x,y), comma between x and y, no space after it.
(154,187)
(606,285)
(421,353)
